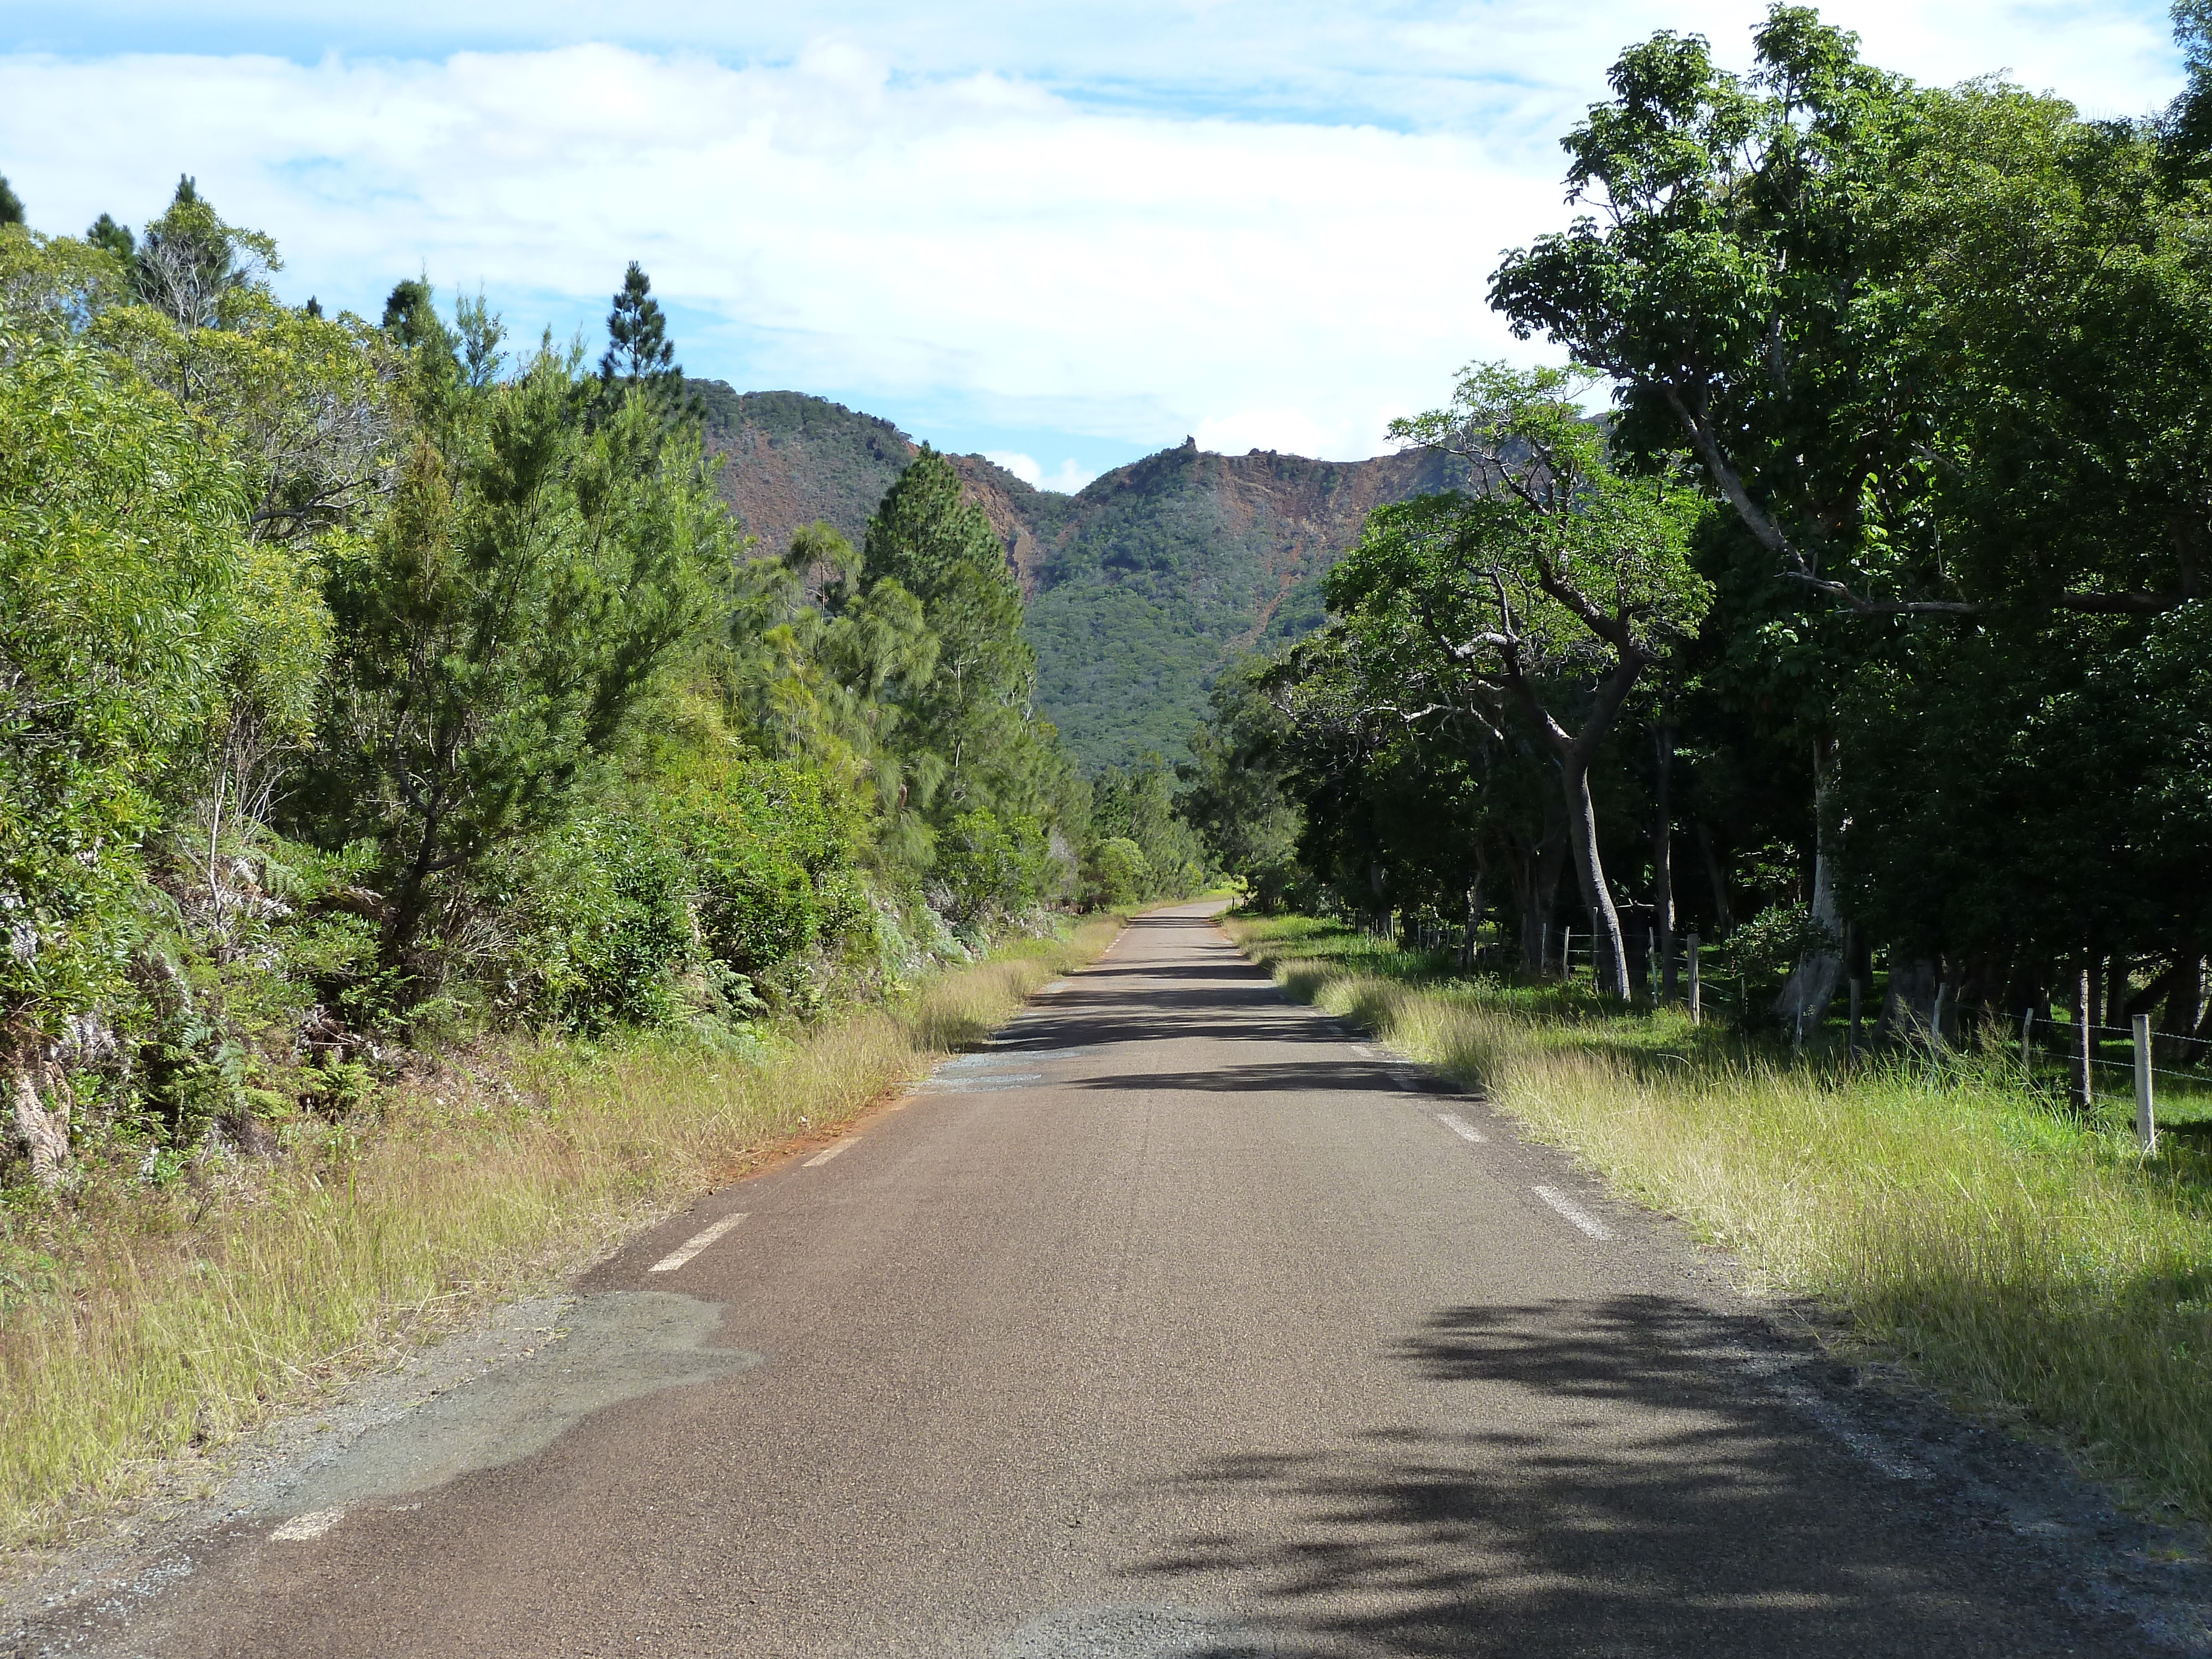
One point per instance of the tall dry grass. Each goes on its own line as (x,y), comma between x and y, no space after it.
(181,1317)
(2039,1269)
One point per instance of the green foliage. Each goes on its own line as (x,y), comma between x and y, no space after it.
(113,238)
(54,285)
(547,746)
(990,868)
(1139,805)
(498,633)
(1757,957)
(1236,795)
(191,266)
(976,745)
(123,538)
(640,356)
(1115,875)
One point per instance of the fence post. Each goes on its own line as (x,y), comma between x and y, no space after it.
(1544,948)
(2027,1040)
(2084,1085)
(1851,1046)
(1697,1004)
(2146,1119)
(1651,964)
(1566,953)
(1936,1019)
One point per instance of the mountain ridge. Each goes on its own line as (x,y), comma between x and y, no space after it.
(1141,586)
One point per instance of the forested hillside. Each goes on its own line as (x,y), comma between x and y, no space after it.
(1142,586)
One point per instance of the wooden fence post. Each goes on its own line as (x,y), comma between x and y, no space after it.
(2026,1042)
(2146,1118)
(1697,1001)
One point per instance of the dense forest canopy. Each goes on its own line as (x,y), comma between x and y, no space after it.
(1903,651)
(365,683)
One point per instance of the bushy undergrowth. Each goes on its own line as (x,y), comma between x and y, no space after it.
(2038,1267)
(139,1320)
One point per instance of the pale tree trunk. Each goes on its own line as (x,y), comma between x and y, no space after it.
(1663,860)
(1475,903)
(38,1098)
(1611,974)
(1812,981)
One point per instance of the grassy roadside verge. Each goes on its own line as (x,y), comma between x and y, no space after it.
(176,1319)
(2038,1270)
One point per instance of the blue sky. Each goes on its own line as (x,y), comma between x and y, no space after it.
(1064,234)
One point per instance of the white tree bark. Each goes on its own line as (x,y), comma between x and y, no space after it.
(38,1098)
(1812,981)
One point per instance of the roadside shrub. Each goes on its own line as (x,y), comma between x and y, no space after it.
(1759,955)
(987,868)
(1116,874)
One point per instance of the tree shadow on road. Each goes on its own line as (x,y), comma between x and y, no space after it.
(1618,1488)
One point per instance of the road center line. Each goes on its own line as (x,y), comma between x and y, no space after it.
(1574,1211)
(302,1528)
(693,1245)
(1460,1126)
(824,1156)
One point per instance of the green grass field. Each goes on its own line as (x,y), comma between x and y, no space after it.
(2037,1267)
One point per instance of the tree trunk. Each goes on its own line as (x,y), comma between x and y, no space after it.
(1548,861)
(1727,922)
(1909,1006)
(1612,962)
(1520,872)
(1474,907)
(1663,860)
(2184,1004)
(1804,998)
(38,1097)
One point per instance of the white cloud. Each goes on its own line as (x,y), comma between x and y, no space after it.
(869,217)
(1068,477)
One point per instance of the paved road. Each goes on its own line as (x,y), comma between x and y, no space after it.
(1175,1324)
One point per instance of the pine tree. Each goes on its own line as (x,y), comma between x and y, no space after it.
(640,356)
(105,233)
(11,205)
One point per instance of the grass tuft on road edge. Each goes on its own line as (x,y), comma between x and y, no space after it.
(177,1319)
(2040,1271)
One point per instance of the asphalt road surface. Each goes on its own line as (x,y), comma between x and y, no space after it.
(1176,1323)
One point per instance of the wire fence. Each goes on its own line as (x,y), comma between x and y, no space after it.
(2050,1048)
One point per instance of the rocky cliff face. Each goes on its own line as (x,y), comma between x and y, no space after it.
(1141,587)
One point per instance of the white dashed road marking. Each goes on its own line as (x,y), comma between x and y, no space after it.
(696,1243)
(1574,1212)
(824,1156)
(301,1528)
(1460,1126)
